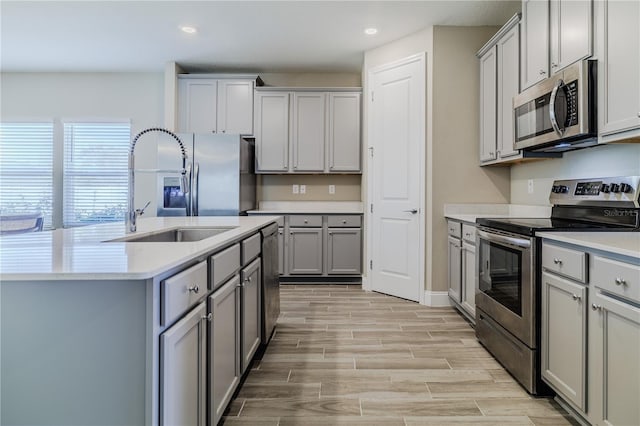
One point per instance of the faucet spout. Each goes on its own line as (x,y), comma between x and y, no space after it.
(132,212)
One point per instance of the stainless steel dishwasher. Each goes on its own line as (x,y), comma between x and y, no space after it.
(270,281)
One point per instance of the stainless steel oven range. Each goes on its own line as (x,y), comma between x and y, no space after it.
(508,266)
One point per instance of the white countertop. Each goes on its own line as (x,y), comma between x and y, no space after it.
(309,207)
(470,212)
(82,253)
(622,243)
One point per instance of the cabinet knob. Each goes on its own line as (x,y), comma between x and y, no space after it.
(330,233)
(554,65)
(194,288)
(213,131)
(542,72)
(576,297)
(224,131)
(344,221)
(247,280)
(306,221)
(557,261)
(638,114)
(208,317)
(621,281)
(595,307)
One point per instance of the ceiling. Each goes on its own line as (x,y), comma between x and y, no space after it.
(251,36)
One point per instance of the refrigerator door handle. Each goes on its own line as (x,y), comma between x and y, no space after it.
(196,187)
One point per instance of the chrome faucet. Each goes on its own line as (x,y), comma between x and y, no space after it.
(132,212)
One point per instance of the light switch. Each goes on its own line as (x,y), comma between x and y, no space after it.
(332,189)
(303,189)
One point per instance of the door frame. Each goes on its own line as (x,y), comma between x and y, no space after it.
(367,281)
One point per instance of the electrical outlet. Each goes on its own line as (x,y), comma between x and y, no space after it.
(332,189)
(530,186)
(295,189)
(303,189)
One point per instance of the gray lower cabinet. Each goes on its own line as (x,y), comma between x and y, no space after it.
(250,308)
(305,251)
(468,280)
(224,352)
(454,269)
(183,365)
(564,337)
(344,251)
(281,251)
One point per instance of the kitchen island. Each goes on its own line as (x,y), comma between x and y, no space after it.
(102,332)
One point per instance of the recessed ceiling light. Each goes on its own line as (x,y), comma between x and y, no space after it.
(188,30)
(371,31)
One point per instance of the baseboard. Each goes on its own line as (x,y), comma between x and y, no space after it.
(366,284)
(436,298)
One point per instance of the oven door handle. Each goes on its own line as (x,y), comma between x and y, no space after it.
(518,242)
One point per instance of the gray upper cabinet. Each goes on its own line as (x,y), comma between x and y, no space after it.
(570,32)
(211,105)
(499,83)
(307,131)
(534,42)
(250,308)
(272,131)
(224,338)
(183,365)
(618,52)
(344,132)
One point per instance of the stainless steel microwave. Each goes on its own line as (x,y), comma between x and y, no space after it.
(559,113)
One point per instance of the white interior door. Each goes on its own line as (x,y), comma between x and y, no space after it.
(396,173)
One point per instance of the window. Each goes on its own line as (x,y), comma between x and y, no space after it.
(95,172)
(26,169)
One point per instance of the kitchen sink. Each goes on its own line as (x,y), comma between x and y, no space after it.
(176,235)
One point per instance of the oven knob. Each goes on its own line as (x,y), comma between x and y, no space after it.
(562,189)
(554,189)
(625,187)
(615,187)
(605,188)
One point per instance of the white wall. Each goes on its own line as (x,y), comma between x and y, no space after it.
(60,96)
(599,161)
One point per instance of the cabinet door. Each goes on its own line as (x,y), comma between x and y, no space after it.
(344,251)
(614,351)
(281,251)
(619,65)
(235,106)
(305,251)
(455,269)
(488,104)
(197,105)
(183,365)
(564,325)
(508,87)
(251,277)
(535,42)
(272,132)
(309,131)
(344,132)
(469,278)
(570,32)
(224,351)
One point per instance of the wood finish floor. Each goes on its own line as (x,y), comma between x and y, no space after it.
(342,356)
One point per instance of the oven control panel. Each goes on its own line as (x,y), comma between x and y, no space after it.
(622,191)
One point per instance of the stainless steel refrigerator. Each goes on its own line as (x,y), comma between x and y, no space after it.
(222,178)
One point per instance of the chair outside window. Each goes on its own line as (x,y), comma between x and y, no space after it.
(21,223)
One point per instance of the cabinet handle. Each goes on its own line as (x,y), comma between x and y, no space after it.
(344,221)
(621,281)
(554,65)
(194,288)
(466,234)
(224,131)
(638,114)
(595,307)
(542,72)
(557,261)
(330,233)
(306,221)
(247,280)
(576,297)
(208,317)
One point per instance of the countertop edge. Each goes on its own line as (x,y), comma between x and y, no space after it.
(619,243)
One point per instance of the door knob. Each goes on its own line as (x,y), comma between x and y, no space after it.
(412,211)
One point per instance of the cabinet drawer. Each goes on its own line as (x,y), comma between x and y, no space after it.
(616,277)
(224,264)
(250,248)
(469,233)
(454,228)
(351,221)
(182,291)
(565,261)
(305,221)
